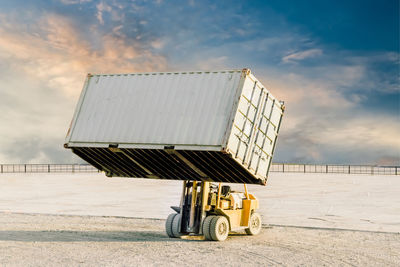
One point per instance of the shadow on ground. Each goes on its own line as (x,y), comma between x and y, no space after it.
(95,236)
(85,236)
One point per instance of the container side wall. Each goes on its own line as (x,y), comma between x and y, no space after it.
(78,106)
(186,108)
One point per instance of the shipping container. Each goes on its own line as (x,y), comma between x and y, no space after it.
(217,126)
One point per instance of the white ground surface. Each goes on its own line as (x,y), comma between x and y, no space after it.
(359,202)
(34,233)
(54,240)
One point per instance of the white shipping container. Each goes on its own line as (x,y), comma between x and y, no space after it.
(211,125)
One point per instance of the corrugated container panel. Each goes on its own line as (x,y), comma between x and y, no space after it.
(215,126)
(156,108)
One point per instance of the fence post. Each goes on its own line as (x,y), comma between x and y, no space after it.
(283,167)
(25,167)
(326,168)
(2,169)
(73,168)
(349,169)
(48,167)
(304,168)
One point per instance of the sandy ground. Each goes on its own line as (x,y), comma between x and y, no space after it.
(51,240)
(361,202)
(309,219)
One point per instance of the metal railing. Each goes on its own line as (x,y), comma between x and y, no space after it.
(276,167)
(328,168)
(43,168)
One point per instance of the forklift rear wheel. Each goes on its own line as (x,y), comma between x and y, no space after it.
(168,224)
(176,225)
(254,224)
(206,227)
(219,228)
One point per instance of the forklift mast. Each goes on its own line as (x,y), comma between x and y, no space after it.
(193,205)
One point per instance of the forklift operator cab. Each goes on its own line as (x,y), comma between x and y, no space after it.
(213,211)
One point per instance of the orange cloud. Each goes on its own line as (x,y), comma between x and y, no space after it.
(59,55)
(44,65)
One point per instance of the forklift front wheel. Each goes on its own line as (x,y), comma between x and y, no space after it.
(206,227)
(219,228)
(254,224)
(176,226)
(168,224)
(172,225)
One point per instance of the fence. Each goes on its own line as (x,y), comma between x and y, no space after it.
(42,168)
(349,169)
(276,167)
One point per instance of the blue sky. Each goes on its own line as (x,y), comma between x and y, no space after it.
(335,63)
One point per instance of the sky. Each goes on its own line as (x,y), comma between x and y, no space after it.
(334,63)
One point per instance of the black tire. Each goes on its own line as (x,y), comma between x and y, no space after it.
(176,226)
(168,224)
(206,227)
(219,228)
(254,224)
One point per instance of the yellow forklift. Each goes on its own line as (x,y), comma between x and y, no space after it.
(213,210)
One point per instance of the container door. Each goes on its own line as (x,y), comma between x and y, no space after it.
(246,120)
(266,133)
(255,128)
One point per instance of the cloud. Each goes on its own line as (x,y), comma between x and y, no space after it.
(326,120)
(37,149)
(42,70)
(323,125)
(341,139)
(113,10)
(381,70)
(44,57)
(33,116)
(388,161)
(158,43)
(74,2)
(295,57)
(59,56)
(212,63)
(101,8)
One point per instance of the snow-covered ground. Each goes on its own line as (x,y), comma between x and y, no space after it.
(361,202)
